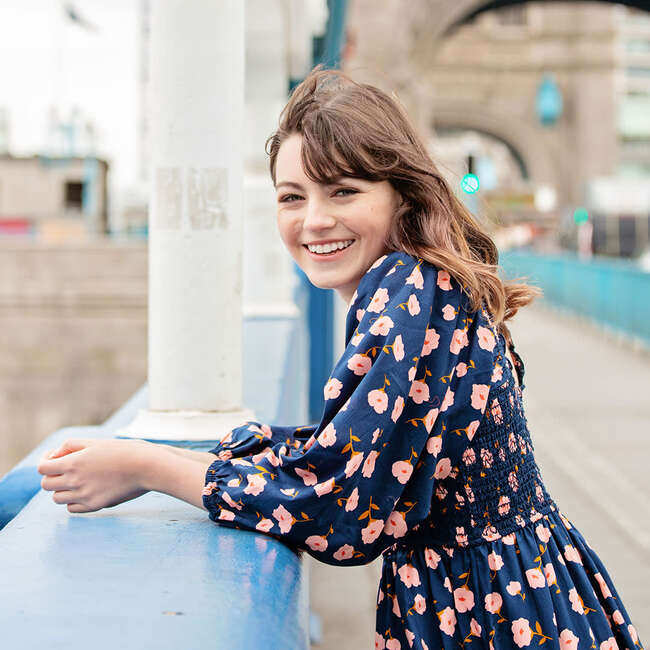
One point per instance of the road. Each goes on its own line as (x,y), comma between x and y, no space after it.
(586,400)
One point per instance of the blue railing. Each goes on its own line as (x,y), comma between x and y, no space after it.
(611,292)
(155,571)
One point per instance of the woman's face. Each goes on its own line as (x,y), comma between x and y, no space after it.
(334,232)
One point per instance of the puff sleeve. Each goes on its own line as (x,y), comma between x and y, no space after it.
(414,368)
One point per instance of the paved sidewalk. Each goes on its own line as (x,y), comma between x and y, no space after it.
(587,405)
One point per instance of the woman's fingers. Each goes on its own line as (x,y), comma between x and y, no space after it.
(79,507)
(65,496)
(57,482)
(53,467)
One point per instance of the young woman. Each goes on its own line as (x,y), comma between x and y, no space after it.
(422,453)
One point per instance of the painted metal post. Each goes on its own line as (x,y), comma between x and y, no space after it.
(195,221)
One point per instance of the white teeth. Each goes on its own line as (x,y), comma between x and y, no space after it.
(328,248)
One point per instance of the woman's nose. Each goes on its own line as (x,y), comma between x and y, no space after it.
(318,216)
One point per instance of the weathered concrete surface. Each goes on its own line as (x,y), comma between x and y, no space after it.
(587,405)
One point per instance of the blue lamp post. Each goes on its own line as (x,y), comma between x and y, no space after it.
(548,103)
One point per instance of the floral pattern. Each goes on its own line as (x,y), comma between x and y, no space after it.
(423,455)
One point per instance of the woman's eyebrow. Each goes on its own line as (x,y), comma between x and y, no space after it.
(297,186)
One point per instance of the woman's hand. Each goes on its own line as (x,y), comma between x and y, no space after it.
(88,475)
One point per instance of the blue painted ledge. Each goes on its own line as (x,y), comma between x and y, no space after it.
(154,572)
(613,293)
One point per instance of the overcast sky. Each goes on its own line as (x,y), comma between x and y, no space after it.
(47,60)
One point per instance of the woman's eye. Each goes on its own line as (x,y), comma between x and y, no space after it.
(348,191)
(289,198)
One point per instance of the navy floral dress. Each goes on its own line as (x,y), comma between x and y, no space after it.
(423,454)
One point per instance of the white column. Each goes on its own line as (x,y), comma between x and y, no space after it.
(195,220)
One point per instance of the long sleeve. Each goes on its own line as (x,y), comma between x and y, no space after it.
(414,361)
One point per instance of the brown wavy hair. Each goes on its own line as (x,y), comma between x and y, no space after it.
(357,130)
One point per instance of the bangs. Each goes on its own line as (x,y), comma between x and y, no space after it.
(330,150)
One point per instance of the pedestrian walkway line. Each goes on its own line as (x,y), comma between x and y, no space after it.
(605,485)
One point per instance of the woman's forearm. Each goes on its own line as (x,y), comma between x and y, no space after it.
(200,456)
(178,475)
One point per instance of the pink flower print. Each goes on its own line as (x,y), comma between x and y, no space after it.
(609,644)
(493,602)
(535,578)
(420,604)
(576,601)
(284,517)
(409,575)
(469,456)
(441,492)
(356,339)
(430,419)
(413,305)
(375,435)
(310,442)
(486,457)
(309,478)
(398,348)
(495,409)
(458,341)
(521,632)
(495,561)
(475,628)
(434,445)
(512,442)
(443,468)
(447,620)
(509,539)
(332,388)
(424,645)
(398,614)
(344,553)
(325,487)
(448,400)
(369,464)
(394,644)
(415,278)
(378,400)
(230,501)
(409,637)
(470,498)
(479,396)
(504,505)
(327,437)
(534,515)
(486,339)
(411,373)
(572,554)
(359,364)
(264,525)
(226,454)
(633,634)
(461,369)
(497,373)
(380,642)
(256,483)
(395,525)
(513,588)
(513,481)
(549,574)
(241,461)
(502,454)
(353,464)
(233,482)
(431,340)
(601,581)
(360,314)
(353,500)
(419,392)
(266,430)
(431,558)
(209,488)
(378,262)
(372,531)
(402,471)
(490,533)
(398,407)
(449,312)
(316,542)
(444,280)
(471,429)
(382,326)
(226,515)
(446,583)
(378,301)
(539,493)
(568,640)
(617,617)
(520,521)
(463,599)
(272,458)
(461,536)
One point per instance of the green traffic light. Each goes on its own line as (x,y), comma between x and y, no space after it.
(581,215)
(469,183)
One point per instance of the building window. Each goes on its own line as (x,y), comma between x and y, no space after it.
(73,195)
(515,15)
